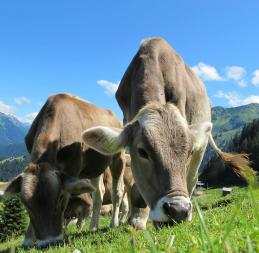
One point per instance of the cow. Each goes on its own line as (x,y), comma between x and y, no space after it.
(167,118)
(58,160)
(80,207)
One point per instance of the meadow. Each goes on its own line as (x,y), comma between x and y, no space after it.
(219,224)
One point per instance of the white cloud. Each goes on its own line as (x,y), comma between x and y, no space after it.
(7,109)
(236,100)
(111,87)
(235,72)
(31,115)
(40,103)
(24,120)
(242,83)
(21,100)
(207,72)
(255,79)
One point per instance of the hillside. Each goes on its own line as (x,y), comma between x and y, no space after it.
(11,167)
(11,130)
(13,150)
(226,122)
(215,171)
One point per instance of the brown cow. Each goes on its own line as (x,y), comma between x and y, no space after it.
(55,144)
(167,117)
(80,206)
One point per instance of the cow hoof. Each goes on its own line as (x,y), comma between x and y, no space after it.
(93,229)
(122,222)
(114,225)
(139,226)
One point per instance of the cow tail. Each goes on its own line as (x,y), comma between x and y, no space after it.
(239,163)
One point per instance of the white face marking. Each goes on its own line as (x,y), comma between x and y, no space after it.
(158,214)
(29,184)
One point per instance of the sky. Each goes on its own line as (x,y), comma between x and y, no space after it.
(83,47)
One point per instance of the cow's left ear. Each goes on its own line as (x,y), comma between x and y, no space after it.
(200,134)
(75,186)
(105,140)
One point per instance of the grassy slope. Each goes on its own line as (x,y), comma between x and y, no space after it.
(226,122)
(20,159)
(186,237)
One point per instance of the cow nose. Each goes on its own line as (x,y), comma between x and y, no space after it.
(177,211)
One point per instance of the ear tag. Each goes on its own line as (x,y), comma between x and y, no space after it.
(107,146)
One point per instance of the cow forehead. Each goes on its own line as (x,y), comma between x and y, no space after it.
(154,114)
(31,180)
(165,122)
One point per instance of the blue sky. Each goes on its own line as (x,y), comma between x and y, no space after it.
(84,47)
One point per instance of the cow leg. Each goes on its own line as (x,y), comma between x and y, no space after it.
(66,222)
(192,174)
(83,215)
(138,218)
(117,169)
(30,237)
(125,209)
(97,201)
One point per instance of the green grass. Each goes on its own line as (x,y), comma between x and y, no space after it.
(20,159)
(220,224)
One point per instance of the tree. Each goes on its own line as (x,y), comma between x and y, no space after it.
(14,218)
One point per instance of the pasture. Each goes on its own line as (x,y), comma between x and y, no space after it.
(220,224)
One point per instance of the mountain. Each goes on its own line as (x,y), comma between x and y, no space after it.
(226,122)
(13,150)
(11,130)
(216,172)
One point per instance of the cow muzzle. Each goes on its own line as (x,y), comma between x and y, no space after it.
(50,241)
(172,210)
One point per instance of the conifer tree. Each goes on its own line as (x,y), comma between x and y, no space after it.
(14,218)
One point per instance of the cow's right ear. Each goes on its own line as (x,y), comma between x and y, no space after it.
(10,188)
(104,140)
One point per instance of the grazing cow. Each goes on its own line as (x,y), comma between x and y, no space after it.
(55,144)
(167,117)
(80,206)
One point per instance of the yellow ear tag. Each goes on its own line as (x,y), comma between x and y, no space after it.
(107,146)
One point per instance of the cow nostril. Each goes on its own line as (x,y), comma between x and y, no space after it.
(177,211)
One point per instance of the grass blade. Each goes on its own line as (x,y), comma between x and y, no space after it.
(204,225)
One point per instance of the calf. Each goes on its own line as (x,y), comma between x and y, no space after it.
(167,117)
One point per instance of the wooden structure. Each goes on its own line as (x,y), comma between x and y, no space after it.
(226,191)
(200,185)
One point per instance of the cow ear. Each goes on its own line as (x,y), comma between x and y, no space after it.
(75,186)
(200,134)
(10,188)
(105,140)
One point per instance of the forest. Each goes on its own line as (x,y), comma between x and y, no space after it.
(215,172)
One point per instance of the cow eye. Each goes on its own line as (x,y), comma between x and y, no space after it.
(142,152)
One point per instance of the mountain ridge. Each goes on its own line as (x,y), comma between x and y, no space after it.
(11,130)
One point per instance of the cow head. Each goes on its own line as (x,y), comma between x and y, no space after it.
(161,147)
(44,192)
